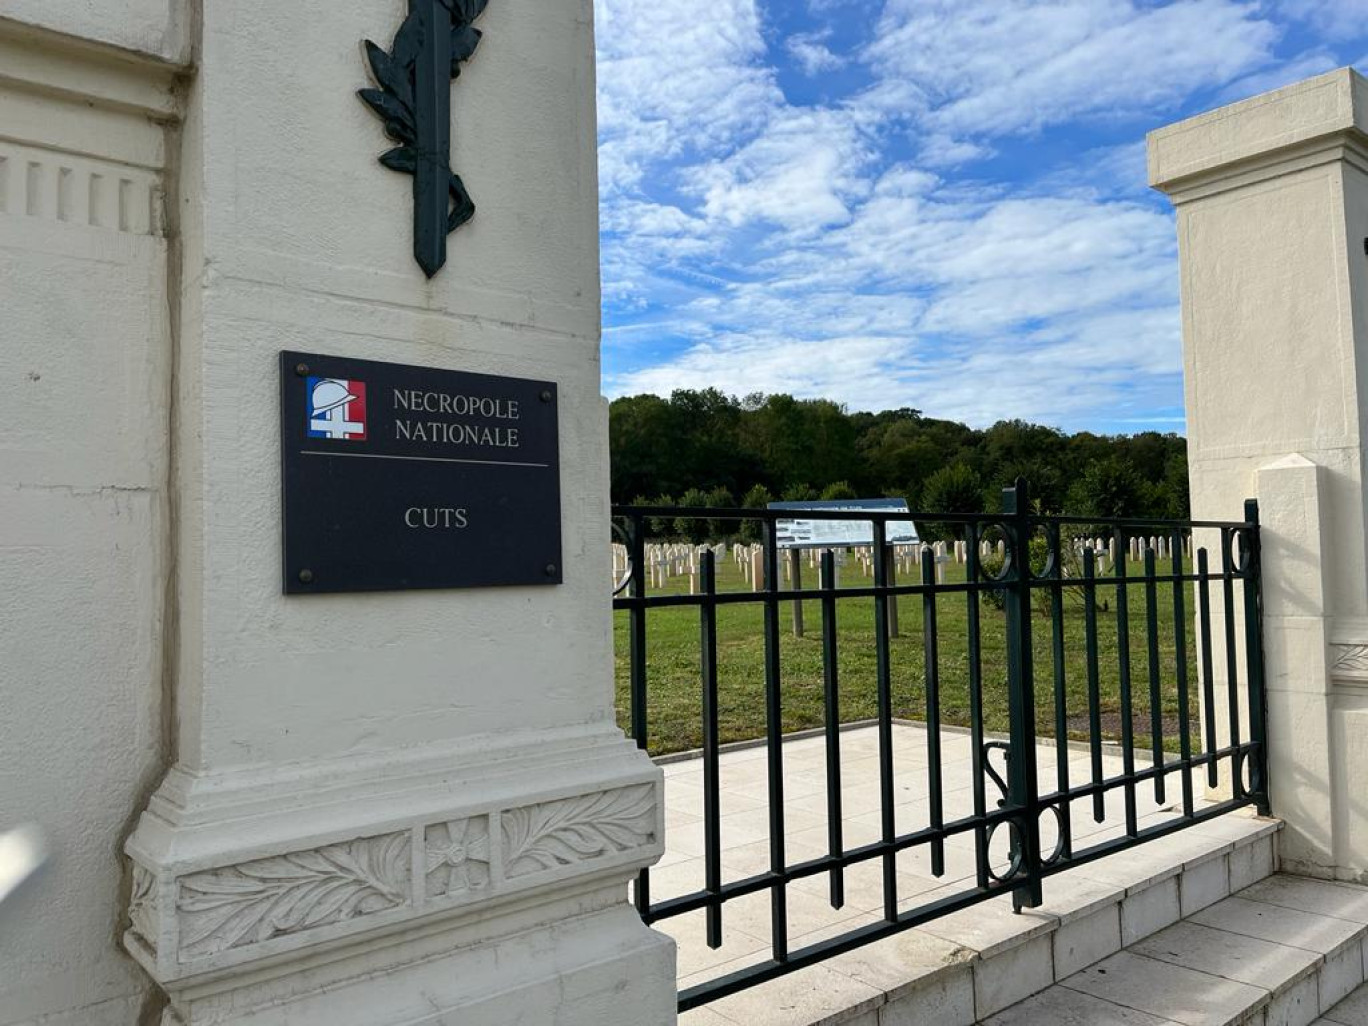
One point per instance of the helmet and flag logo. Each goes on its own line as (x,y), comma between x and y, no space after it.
(337,409)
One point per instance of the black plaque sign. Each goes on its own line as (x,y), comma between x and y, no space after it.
(397,477)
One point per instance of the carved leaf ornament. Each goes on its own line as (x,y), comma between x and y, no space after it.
(142,906)
(1352,658)
(560,833)
(255,901)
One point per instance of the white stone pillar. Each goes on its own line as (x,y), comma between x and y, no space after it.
(85,372)
(411,807)
(1272,208)
(1303,776)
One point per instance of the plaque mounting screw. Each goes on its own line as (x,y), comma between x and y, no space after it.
(302,369)
(546,395)
(306,576)
(550,569)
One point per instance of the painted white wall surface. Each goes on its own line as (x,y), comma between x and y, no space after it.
(151,28)
(340,809)
(85,373)
(1272,204)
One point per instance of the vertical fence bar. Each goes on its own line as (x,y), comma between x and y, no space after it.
(1232,656)
(796,583)
(712,813)
(1094,695)
(891,579)
(636,641)
(774,725)
(972,576)
(1208,663)
(884,684)
(1152,654)
(931,646)
(831,699)
(1124,664)
(1056,545)
(1181,670)
(1252,571)
(1023,791)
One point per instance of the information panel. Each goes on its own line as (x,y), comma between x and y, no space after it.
(397,477)
(806,533)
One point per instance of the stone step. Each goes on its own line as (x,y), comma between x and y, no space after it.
(1352,1011)
(1281,952)
(971,965)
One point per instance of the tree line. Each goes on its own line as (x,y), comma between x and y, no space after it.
(706,448)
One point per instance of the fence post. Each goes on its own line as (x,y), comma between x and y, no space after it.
(1022,786)
(636,640)
(1253,612)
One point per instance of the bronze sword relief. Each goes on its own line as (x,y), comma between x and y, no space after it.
(413,99)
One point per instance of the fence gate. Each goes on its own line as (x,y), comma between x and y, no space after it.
(1061,626)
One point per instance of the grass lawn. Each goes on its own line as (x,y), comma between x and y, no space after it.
(674,701)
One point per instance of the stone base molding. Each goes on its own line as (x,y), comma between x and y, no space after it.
(356,866)
(582,959)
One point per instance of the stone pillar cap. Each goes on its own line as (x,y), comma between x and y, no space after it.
(1318,108)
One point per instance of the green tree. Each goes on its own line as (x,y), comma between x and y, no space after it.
(641,430)
(1173,500)
(1108,488)
(953,489)
(692,529)
(759,497)
(839,491)
(721,498)
(801,449)
(801,440)
(659,528)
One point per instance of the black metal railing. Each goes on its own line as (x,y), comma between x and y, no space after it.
(1047,568)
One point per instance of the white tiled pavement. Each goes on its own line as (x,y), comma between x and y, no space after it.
(841,983)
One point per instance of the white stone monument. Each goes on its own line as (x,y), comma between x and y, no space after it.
(1272,204)
(353,810)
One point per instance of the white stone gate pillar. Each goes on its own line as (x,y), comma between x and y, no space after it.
(1272,204)
(410,807)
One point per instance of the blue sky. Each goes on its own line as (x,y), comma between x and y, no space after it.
(930,203)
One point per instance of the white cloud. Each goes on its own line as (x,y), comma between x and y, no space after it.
(801,173)
(940,150)
(671,82)
(840,249)
(811,53)
(1347,19)
(1104,172)
(969,308)
(741,364)
(997,67)
(1302,66)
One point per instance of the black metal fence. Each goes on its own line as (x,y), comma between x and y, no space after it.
(1212,680)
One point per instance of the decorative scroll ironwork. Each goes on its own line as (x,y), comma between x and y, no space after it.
(997,778)
(414,102)
(1037,564)
(621,583)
